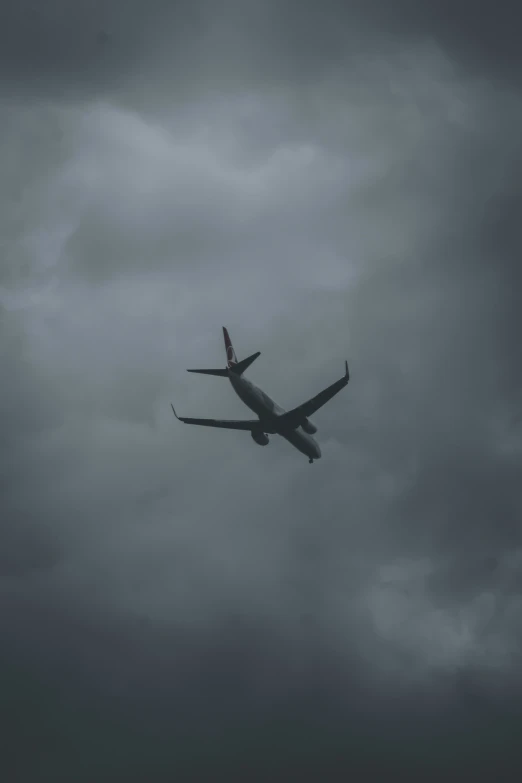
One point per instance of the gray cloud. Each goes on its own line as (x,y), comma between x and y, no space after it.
(328,184)
(164,48)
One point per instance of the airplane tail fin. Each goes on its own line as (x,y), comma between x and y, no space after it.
(231,354)
(238,368)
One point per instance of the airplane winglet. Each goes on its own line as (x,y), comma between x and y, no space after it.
(347,373)
(174,412)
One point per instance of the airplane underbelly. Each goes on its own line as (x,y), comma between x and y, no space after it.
(254,404)
(251,400)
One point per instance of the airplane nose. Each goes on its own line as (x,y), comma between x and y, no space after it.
(317,452)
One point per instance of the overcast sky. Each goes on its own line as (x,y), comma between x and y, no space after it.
(329,180)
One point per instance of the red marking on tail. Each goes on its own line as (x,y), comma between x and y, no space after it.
(231,354)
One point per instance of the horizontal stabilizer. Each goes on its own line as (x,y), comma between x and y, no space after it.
(221,373)
(240,367)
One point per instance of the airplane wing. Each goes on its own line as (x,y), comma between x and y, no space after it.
(295,417)
(229,424)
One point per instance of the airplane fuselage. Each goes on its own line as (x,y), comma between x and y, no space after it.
(269,413)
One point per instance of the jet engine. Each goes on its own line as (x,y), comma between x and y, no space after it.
(309,427)
(260,438)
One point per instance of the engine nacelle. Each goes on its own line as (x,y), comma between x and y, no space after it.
(260,438)
(309,427)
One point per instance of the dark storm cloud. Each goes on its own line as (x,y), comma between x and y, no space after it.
(329,181)
(72,48)
(296,707)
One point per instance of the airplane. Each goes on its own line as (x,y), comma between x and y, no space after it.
(293,425)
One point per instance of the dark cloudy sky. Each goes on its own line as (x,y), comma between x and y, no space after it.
(329,180)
